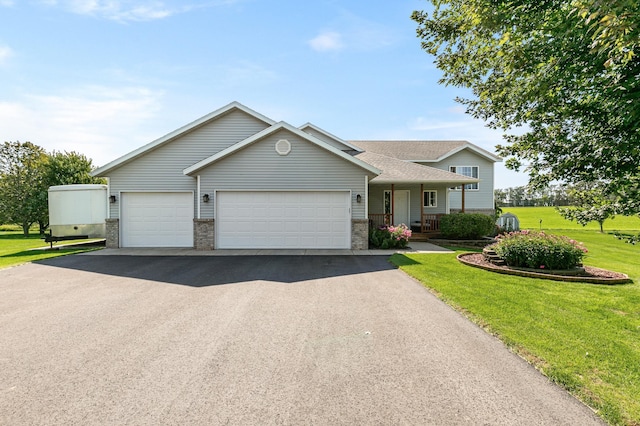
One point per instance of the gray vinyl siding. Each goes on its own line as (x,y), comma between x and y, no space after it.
(474,199)
(376,199)
(306,167)
(324,138)
(162,168)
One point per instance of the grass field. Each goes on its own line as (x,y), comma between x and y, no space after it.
(584,337)
(530,219)
(16,249)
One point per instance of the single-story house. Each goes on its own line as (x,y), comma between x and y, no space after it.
(237,179)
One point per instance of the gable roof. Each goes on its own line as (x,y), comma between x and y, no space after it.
(346,144)
(233,106)
(269,131)
(400,171)
(422,151)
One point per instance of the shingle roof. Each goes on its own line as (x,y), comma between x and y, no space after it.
(421,151)
(399,171)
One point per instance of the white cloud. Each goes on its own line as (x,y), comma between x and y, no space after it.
(5,53)
(132,10)
(101,122)
(327,41)
(353,32)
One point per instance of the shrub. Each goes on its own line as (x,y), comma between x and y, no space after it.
(389,237)
(530,249)
(466,226)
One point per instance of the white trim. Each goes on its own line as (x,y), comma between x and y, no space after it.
(468,145)
(100,171)
(329,135)
(270,130)
(447,201)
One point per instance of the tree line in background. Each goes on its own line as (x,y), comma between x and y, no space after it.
(26,173)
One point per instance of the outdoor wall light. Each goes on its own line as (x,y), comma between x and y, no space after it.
(358,198)
(112,199)
(205,198)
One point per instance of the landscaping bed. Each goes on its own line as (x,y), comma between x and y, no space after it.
(591,274)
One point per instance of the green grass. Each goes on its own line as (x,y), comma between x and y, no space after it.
(584,337)
(16,249)
(530,219)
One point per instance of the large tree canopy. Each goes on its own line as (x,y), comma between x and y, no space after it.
(561,78)
(26,173)
(23,190)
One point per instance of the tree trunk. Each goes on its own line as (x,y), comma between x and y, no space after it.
(25,228)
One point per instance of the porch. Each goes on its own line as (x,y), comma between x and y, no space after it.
(428,225)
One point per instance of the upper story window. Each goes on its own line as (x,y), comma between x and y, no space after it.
(469,171)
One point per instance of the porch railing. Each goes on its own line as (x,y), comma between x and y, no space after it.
(377,220)
(430,222)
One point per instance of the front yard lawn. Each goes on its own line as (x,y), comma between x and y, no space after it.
(16,249)
(585,337)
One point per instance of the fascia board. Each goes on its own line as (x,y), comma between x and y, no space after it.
(330,135)
(176,133)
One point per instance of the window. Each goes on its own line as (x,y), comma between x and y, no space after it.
(430,198)
(387,202)
(470,171)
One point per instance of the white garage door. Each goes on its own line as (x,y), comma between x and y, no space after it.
(283,220)
(157,219)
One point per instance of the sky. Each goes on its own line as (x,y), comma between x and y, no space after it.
(104,77)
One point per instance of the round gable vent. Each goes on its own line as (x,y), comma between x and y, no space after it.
(283,147)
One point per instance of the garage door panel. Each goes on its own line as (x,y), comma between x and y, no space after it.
(157,219)
(285,219)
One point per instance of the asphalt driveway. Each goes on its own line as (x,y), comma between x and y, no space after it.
(252,340)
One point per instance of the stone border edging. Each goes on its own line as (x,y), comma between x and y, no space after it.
(566,278)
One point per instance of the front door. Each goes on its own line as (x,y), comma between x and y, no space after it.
(401,208)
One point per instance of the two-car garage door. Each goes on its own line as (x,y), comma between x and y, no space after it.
(283,219)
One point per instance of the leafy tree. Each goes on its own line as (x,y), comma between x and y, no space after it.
(561,78)
(27,172)
(590,205)
(23,189)
(68,168)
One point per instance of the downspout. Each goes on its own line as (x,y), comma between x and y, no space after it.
(198,194)
(366,197)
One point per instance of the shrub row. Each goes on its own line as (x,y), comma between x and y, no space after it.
(466,226)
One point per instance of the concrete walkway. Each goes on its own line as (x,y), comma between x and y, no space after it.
(415,247)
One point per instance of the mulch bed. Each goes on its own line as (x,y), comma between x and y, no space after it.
(592,275)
